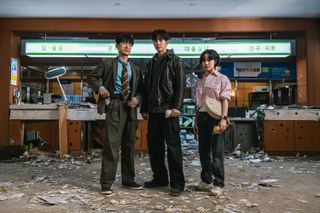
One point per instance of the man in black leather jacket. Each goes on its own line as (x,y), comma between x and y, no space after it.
(163,93)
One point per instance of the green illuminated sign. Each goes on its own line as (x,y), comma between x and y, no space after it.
(145,49)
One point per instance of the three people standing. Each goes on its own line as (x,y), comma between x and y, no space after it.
(120,86)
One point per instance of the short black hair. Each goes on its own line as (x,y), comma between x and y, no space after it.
(160,34)
(125,37)
(212,55)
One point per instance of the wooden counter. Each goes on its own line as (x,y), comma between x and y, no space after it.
(45,120)
(292,131)
(34,112)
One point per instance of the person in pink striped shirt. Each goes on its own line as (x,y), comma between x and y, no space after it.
(211,145)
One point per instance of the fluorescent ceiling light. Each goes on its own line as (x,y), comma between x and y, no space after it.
(57,56)
(254,56)
(101,56)
(150,56)
(144,49)
(113,56)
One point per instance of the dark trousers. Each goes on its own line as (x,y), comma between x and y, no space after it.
(211,150)
(165,131)
(121,132)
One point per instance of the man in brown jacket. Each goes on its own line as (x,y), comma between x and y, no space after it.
(119,84)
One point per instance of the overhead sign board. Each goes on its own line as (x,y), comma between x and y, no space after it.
(145,49)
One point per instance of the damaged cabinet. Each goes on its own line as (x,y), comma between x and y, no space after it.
(48,131)
(291,136)
(292,131)
(279,136)
(307,136)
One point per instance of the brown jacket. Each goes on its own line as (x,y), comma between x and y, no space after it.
(105,75)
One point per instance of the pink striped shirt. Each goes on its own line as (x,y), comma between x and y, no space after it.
(215,85)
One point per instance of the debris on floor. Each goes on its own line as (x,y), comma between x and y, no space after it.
(40,181)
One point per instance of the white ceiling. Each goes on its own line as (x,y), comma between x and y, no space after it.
(159,8)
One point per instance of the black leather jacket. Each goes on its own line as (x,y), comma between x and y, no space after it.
(170,84)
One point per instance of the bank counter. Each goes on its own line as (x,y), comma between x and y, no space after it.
(292,131)
(64,129)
